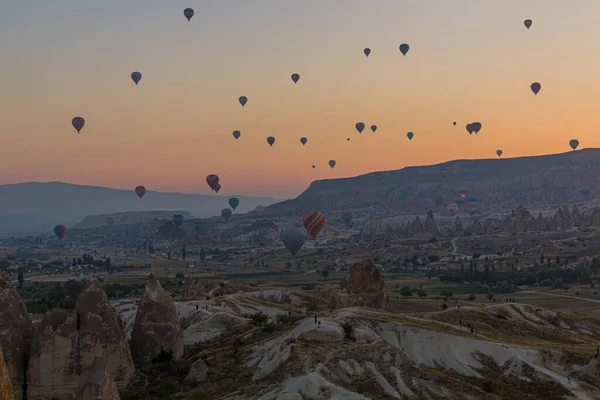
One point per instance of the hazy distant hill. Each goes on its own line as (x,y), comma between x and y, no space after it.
(497,183)
(128,218)
(39,206)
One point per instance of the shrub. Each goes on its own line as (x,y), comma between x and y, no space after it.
(444,306)
(471,297)
(268,327)
(446,293)
(422,293)
(258,318)
(406,291)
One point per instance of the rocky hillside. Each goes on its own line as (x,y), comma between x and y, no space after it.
(497,183)
(128,218)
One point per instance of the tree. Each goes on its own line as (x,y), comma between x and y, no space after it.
(169,255)
(183,253)
(422,293)
(203,256)
(325,273)
(21,279)
(406,291)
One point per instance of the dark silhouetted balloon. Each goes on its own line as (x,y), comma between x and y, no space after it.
(140,191)
(189,13)
(332,163)
(574,143)
(136,76)
(217,187)
(293,240)
(536,87)
(178,219)
(313,223)
(295,78)
(243,100)
(59,231)
(237,134)
(527,23)
(348,139)
(454,123)
(470,128)
(226,213)
(373,128)
(78,123)
(410,135)
(498,153)
(404,49)
(360,127)
(212,180)
(110,221)
(303,141)
(367,51)
(289,212)
(585,190)
(476,127)
(234,202)
(270,140)
(346,218)
(314,166)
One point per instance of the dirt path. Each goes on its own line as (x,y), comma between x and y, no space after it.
(560,295)
(454,248)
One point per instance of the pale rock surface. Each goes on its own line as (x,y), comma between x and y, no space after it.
(97,384)
(6,390)
(211,327)
(365,288)
(198,371)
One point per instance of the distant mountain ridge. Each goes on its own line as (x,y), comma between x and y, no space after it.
(502,183)
(37,207)
(128,218)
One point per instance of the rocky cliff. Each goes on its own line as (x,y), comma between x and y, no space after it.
(156,325)
(97,384)
(6,390)
(365,288)
(15,333)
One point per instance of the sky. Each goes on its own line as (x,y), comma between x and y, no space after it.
(469,60)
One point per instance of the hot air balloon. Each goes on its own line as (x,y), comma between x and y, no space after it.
(313,222)
(270,140)
(140,191)
(452,208)
(217,187)
(295,78)
(574,143)
(454,123)
(237,134)
(178,219)
(476,127)
(373,128)
(260,209)
(585,190)
(136,76)
(527,23)
(359,127)
(314,166)
(346,218)
(234,202)
(78,123)
(189,13)
(289,212)
(212,180)
(404,49)
(463,190)
(348,139)
(59,231)
(332,163)
(243,100)
(536,87)
(226,213)
(110,220)
(303,141)
(470,128)
(410,135)
(292,239)
(367,51)
(498,152)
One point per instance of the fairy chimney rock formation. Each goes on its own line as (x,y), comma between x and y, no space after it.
(15,334)
(98,383)
(156,326)
(430,225)
(365,288)
(6,390)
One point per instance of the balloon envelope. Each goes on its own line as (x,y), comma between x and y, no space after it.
(470,128)
(574,143)
(295,78)
(78,123)
(189,13)
(452,208)
(313,223)
(536,87)
(367,51)
(303,141)
(237,134)
(140,191)
(476,127)
(293,240)
(136,76)
(178,219)
(217,187)
(454,123)
(404,48)
(243,100)
(373,128)
(410,135)
(212,180)
(498,153)
(110,221)
(270,140)
(234,202)
(527,23)
(346,218)
(314,166)
(59,231)
(226,213)
(585,190)
(359,127)
(332,163)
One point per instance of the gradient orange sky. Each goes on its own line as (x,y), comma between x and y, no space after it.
(469,60)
